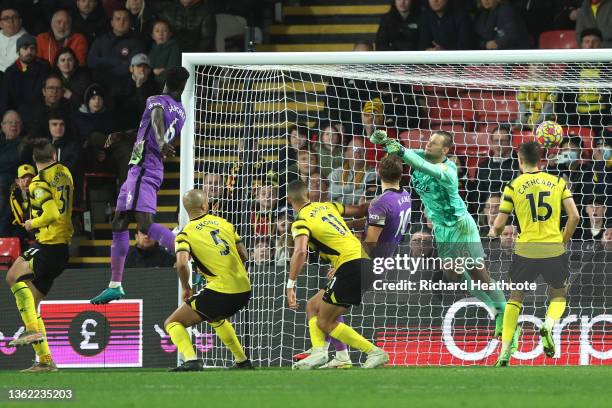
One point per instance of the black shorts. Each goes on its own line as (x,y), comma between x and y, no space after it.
(344,289)
(48,261)
(555,270)
(214,306)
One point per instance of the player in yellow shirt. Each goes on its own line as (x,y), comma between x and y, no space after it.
(219,255)
(537,199)
(320,226)
(31,276)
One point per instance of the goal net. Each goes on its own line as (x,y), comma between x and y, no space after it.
(260,121)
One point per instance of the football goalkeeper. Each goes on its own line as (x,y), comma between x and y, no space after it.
(434,178)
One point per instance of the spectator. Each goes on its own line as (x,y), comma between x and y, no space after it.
(20,203)
(263,218)
(193,23)
(355,179)
(590,105)
(75,79)
(146,253)
(307,163)
(565,13)
(142,20)
(130,94)
(10,23)
(9,160)
(508,237)
(490,211)
(67,148)
(262,253)
(61,36)
(298,140)
(283,239)
(398,30)
(536,103)
(329,147)
(372,118)
(499,168)
(165,52)
(595,14)
(499,26)
(421,243)
(53,99)
(318,188)
(596,220)
(538,15)
(444,27)
(231,22)
(23,80)
(93,115)
(111,53)
(89,19)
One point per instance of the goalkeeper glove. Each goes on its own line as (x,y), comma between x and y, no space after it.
(379,137)
(395,147)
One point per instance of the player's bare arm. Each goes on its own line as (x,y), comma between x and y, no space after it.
(298,259)
(182,270)
(157,121)
(573,218)
(498,225)
(242,251)
(356,211)
(371,238)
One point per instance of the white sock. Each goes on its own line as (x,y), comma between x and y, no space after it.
(113,284)
(342,355)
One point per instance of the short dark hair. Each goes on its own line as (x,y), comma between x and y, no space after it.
(57,114)
(575,140)
(297,189)
(530,152)
(43,150)
(160,21)
(299,128)
(391,169)
(65,50)
(591,31)
(52,75)
(176,78)
(507,129)
(448,137)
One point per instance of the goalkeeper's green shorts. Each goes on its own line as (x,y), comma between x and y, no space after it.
(461,240)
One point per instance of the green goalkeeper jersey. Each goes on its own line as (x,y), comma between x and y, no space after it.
(438,188)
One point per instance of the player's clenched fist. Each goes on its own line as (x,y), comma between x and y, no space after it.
(379,137)
(291,299)
(394,147)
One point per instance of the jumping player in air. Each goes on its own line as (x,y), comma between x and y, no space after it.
(160,127)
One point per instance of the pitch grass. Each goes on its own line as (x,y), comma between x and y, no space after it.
(389,387)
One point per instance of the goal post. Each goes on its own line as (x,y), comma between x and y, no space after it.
(240,142)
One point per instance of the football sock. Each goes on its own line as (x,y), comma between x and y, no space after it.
(163,235)
(25,305)
(349,336)
(511,315)
(182,341)
(477,293)
(42,349)
(119,251)
(226,333)
(498,298)
(555,310)
(338,345)
(317,336)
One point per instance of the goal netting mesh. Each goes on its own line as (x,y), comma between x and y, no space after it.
(257,127)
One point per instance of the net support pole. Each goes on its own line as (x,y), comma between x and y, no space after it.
(187,162)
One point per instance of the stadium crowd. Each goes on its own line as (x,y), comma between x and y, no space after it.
(77,71)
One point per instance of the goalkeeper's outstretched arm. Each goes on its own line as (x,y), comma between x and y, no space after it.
(414,158)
